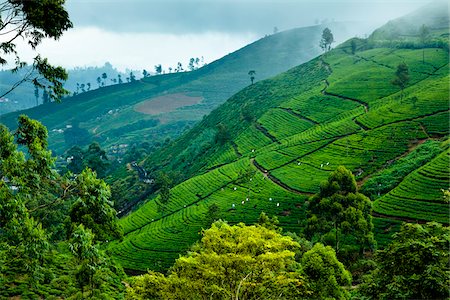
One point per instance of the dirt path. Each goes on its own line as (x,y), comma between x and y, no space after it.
(410,149)
(292,112)
(266,133)
(408,220)
(275,180)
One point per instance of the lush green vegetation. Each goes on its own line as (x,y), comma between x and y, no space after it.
(244,262)
(293,154)
(292,131)
(419,195)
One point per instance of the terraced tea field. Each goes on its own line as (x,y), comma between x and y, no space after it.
(353,117)
(419,196)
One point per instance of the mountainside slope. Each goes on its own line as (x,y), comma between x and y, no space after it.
(286,134)
(160,107)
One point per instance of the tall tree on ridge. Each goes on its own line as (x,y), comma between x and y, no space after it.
(252,73)
(327,40)
(424,33)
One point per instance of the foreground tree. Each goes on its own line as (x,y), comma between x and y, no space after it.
(338,211)
(326,274)
(230,262)
(93,208)
(32,21)
(416,265)
(247,262)
(34,201)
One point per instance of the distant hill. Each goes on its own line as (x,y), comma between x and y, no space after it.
(24,97)
(113,115)
(269,146)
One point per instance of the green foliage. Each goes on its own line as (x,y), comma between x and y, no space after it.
(33,21)
(237,262)
(87,256)
(247,262)
(384,181)
(270,223)
(414,266)
(401,77)
(325,273)
(222,135)
(76,136)
(93,157)
(339,209)
(327,40)
(419,195)
(213,213)
(93,209)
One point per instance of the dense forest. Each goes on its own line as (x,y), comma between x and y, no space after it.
(316,175)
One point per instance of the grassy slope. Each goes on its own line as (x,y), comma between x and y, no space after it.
(103,112)
(339,109)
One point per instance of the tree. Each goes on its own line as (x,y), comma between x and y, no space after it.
(119,78)
(275,30)
(252,73)
(401,77)
(191,66)
(95,158)
(266,221)
(99,81)
(415,265)
(132,77)
(34,200)
(87,256)
(326,274)
(163,183)
(88,86)
(222,135)
(32,21)
(230,262)
(158,69)
(93,209)
(179,67)
(353,46)
(327,40)
(338,210)
(424,34)
(213,214)
(104,76)
(26,183)
(75,159)
(145,73)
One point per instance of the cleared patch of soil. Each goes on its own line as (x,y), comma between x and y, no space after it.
(166,103)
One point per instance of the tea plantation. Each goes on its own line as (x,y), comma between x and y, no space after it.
(287,133)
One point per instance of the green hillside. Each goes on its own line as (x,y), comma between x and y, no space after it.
(284,135)
(160,107)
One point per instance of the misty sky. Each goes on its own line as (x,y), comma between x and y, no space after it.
(138,34)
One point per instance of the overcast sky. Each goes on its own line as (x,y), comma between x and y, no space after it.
(138,34)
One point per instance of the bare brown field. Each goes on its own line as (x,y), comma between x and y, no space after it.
(166,103)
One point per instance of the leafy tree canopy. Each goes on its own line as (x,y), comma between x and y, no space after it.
(416,265)
(246,262)
(93,208)
(339,210)
(32,21)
